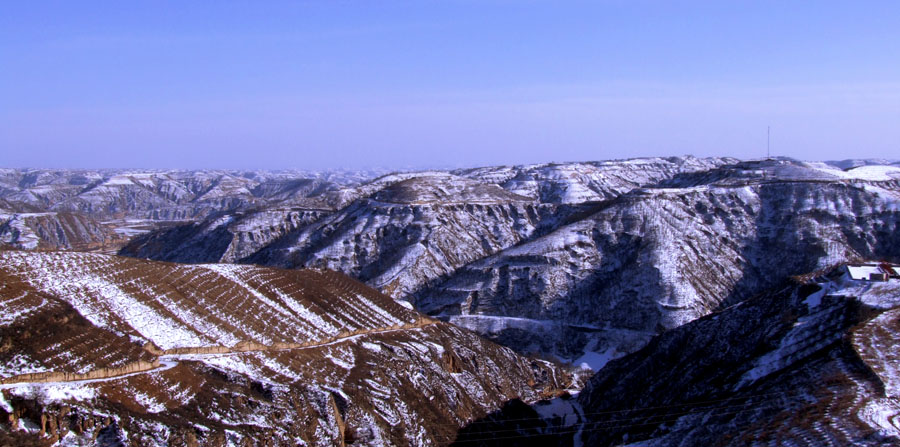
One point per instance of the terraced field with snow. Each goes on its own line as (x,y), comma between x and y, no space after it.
(154,353)
(176,306)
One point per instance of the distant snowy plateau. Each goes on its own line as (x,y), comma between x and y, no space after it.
(652,302)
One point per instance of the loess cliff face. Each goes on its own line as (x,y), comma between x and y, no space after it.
(135,202)
(228,238)
(151,353)
(62,230)
(655,259)
(581,259)
(399,248)
(810,362)
(413,230)
(403,232)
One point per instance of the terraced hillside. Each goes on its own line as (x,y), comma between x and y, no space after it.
(811,362)
(154,353)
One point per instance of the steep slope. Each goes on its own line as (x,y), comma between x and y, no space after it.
(811,362)
(586,261)
(135,202)
(63,230)
(428,223)
(416,228)
(657,258)
(411,232)
(228,238)
(153,353)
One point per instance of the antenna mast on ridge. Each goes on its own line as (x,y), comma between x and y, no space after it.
(768,140)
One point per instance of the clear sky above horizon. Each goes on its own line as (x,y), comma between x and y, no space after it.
(399,84)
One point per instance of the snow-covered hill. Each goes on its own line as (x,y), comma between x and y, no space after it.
(156,353)
(132,202)
(810,362)
(657,258)
(584,261)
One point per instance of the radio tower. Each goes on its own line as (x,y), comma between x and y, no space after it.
(768,140)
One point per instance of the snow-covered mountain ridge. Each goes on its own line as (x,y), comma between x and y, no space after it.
(582,261)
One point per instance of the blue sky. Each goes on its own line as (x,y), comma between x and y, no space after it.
(349,84)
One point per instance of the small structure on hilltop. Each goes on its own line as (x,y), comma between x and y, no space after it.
(873,271)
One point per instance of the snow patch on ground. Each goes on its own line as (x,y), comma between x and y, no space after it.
(164,332)
(875,173)
(73,440)
(489,324)
(309,316)
(19,364)
(371,346)
(276,366)
(232,363)
(4,404)
(814,299)
(793,347)
(151,404)
(231,272)
(54,392)
(595,360)
(345,359)
(883,415)
(15,309)
(566,409)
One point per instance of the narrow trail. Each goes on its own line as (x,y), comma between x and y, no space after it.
(164,365)
(169,361)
